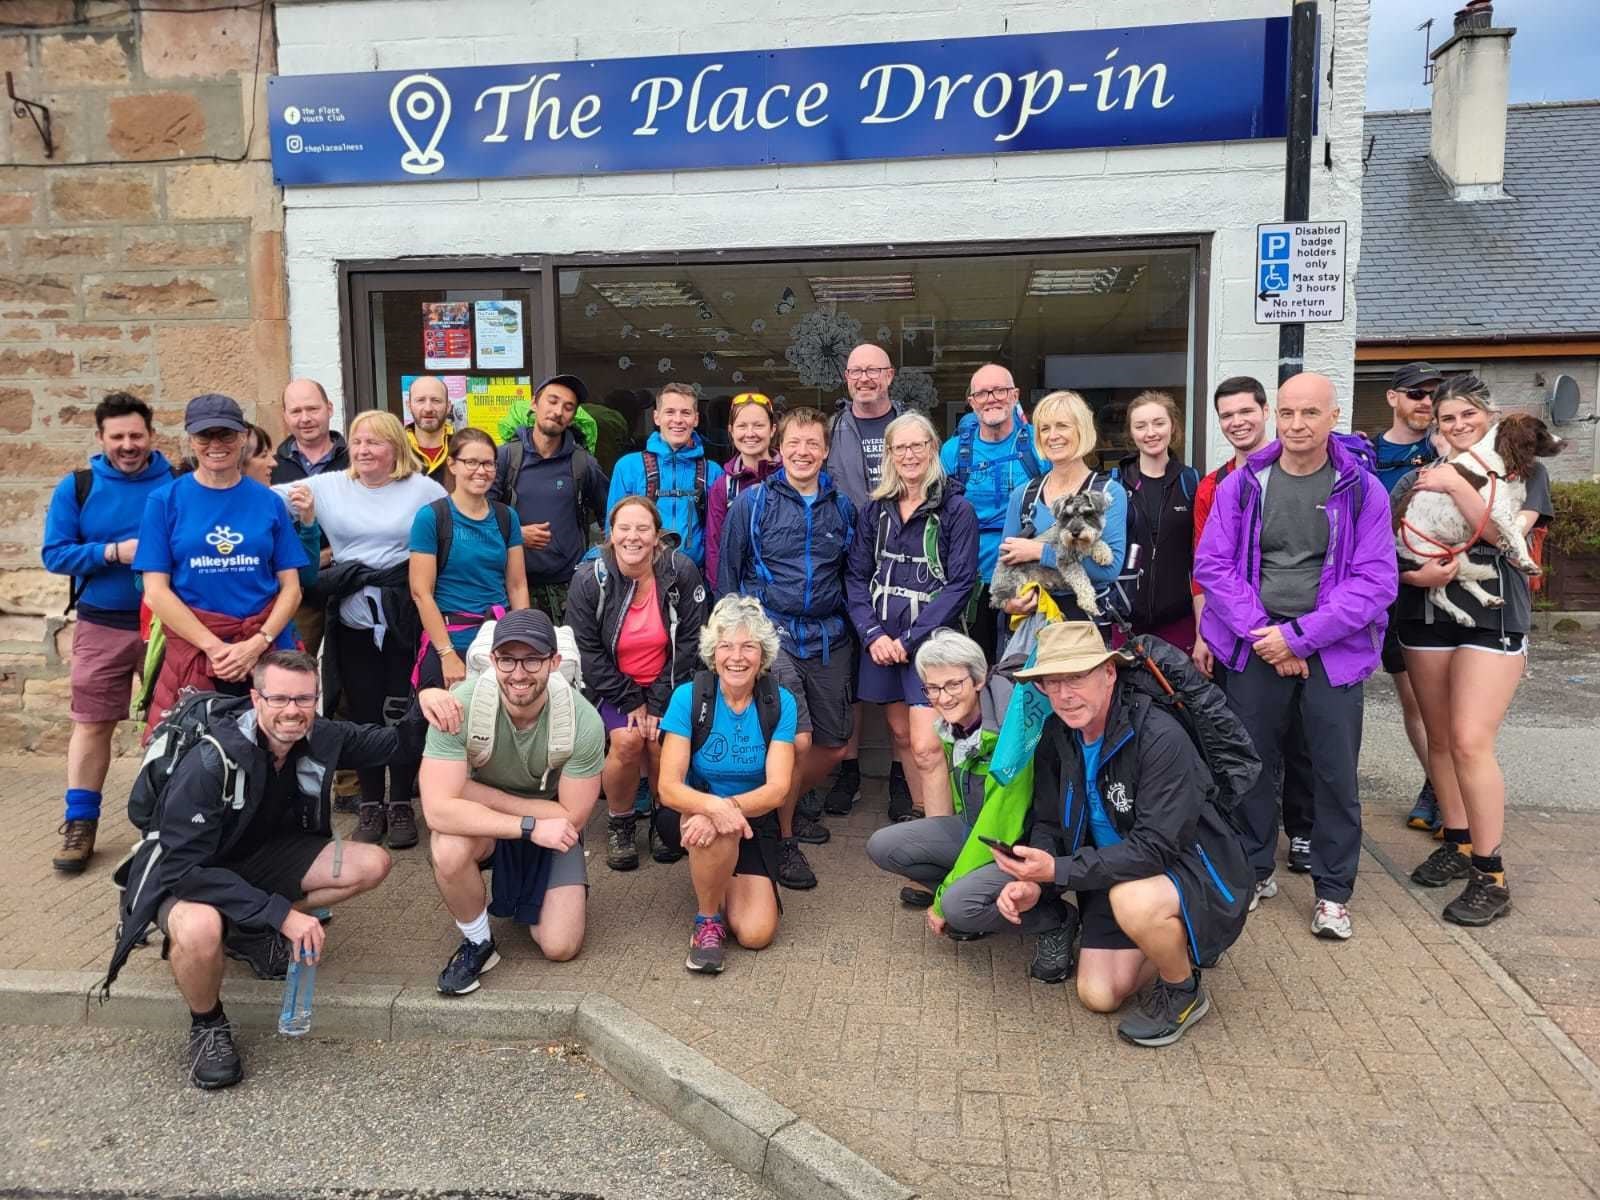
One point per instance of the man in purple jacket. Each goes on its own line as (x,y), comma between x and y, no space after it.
(1298,568)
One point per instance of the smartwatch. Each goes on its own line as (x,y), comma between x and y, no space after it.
(527,828)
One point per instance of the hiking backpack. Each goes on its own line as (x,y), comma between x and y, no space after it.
(1098,481)
(652,483)
(444,529)
(1021,451)
(703,708)
(483,713)
(510,466)
(186,724)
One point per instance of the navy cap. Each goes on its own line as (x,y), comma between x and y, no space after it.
(1415,375)
(571,381)
(213,411)
(528,626)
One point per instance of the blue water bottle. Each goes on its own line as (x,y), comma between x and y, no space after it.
(298,986)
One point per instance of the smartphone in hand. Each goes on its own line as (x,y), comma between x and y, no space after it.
(1006,848)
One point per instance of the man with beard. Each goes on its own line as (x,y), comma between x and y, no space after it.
(430,430)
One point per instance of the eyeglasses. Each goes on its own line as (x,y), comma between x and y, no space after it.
(937,691)
(225,436)
(750,398)
(531,665)
(479,465)
(1419,393)
(995,393)
(308,700)
(910,449)
(1075,683)
(866,372)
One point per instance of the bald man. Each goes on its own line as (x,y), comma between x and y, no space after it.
(430,430)
(855,445)
(1298,568)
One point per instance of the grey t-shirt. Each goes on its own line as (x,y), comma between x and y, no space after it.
(872,446)
(1294,540)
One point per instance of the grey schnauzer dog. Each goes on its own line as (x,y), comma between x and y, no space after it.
(1078,533)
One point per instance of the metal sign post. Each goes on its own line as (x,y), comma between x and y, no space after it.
(1297,170)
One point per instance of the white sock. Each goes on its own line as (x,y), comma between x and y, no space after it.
(477,929)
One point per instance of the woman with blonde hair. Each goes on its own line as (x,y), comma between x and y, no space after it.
(373,630)
(912,568)
(1064,434)
(727,760)
(636,612)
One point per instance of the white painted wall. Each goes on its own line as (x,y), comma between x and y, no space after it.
(1219,188)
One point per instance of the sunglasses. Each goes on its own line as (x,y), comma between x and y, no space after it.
(750,398)
(1419,393)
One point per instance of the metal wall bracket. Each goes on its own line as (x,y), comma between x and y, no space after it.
(39,114)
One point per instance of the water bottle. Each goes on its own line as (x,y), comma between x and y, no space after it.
(298,986)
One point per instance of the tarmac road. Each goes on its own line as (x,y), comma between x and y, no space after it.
(99,1113)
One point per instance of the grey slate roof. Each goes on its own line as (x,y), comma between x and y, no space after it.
(1524,267)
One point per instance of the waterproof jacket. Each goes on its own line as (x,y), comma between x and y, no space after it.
(736,477)
(847,461)
(1360,577)
(1153,786)
(1164,594)
(398,616)
(202,822)
(288,469)
(596,605)
(678,500)
(545,490)
(791,556)
(892,587)
(76,537)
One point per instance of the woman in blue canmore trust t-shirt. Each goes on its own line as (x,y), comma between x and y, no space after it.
(220,560)
(720,801)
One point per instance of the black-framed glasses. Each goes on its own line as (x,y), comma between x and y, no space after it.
(479,465)
(994,393)
(531,665)
(275,700)
(866,372)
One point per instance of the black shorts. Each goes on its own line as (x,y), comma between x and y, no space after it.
(1100,928)
(278,867)
(757,855)
(1394,662)
(1448,635)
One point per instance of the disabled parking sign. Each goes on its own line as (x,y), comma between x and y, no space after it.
(1300,272)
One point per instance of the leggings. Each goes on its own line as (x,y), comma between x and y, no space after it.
(377,691)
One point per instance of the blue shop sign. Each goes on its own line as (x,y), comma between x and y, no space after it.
(1203,82)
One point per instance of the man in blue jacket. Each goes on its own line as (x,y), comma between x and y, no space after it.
(785,542)
(90,533)
(672,471)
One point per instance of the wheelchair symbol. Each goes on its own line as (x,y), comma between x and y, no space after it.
(1274,277)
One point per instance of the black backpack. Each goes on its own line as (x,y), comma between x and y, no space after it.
(1168,676)
(186,725)
(703,708)
(444,529)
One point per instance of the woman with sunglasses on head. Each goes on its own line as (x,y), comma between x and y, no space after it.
(471,575)
(1464,676)
(912,568)
(752,424)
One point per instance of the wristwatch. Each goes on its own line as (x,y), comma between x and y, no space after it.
(527,828)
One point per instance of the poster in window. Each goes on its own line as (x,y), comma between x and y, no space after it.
(447,335)
(490,397)
(499,329)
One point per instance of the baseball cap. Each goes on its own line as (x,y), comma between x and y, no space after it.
(1415,375)
(213,411)
(526,625)
(571,381)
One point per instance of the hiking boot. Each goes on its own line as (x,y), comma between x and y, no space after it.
(213,1058)
(642,802)
(846,789)
(402,826)
(347,804)
(1266,889)
(705,947)
(373,825)
(622,852)
(1483,901)
(77,844)
(1443,867)
(662,852)
(1424,813)
(915,897)
(1300,855)
(1331,920)
(1165,1013)
(809,830)
(265,951)
(809,805)
(794,872)
(470,961)
(1053,957)
(900,808)
(346,792)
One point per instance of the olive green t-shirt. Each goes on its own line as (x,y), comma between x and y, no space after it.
(520,756)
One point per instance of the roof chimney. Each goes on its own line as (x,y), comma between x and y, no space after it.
(1471,82)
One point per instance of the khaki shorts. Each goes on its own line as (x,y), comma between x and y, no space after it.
(104,662)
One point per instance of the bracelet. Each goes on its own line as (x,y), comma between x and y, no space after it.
(447,650)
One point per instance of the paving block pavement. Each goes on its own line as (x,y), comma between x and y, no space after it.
(1416,1060)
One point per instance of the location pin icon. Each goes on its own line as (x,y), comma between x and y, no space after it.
(419,106)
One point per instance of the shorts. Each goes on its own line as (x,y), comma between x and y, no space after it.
(104,662)
(757,855)
(569,868)
(1099,923)
(822,693)
(278,867)
(1394,662)
(1447,635)
(896,684)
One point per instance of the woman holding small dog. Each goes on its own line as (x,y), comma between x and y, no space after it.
(1063,431)
(1464,676)
(912,568)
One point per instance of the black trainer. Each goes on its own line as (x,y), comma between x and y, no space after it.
(213,1058)
(1164,1013)
(402,826)
(1483,901)
(846,790)
(1300,855)
(900,807)
(470,960)
(373,825)
(809,805)
(794,872)
(266,951)
(810,831)
(1054,957)
(915,897)
(622,853)
(1443,867)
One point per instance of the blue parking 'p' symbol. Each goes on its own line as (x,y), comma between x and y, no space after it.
(1274,246)
(1274,277)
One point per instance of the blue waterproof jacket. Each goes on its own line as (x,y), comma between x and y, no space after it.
(682,511)
(75,538)
(791,556)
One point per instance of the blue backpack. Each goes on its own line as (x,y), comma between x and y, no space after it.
(1021,451)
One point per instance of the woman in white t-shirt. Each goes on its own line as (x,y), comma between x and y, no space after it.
(366,514)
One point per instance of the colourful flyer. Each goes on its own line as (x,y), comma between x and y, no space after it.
(499,330)
(446,335)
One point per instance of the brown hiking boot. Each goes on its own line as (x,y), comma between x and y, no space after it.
(372,825)
(402,826)
(346,792)
(76,846)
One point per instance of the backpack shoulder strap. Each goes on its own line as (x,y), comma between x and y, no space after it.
(965,434)
(769,706)
(702,709)
(1030,498)
(930,548)
(652,474)
(1188,481)
(1025,453)
(701,471)
(513,464)
(82,483)
(845,519)
(504,517)
(483,712)
(444,532)
(563,728)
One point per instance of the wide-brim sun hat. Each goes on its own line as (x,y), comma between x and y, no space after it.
(1067,648)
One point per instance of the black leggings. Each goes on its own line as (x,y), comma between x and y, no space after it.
(377,691)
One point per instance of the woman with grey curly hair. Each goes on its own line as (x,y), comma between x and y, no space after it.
(727,760)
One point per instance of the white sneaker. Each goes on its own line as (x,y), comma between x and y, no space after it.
(1331,920)
(1266,889)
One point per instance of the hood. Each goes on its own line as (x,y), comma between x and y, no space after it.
(736,468)
(157,468)
(658,445)
(568,441)
(286,447)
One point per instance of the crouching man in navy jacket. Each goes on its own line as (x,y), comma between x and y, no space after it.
(1121,816)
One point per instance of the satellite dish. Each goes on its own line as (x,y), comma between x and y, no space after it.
(1563,400)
